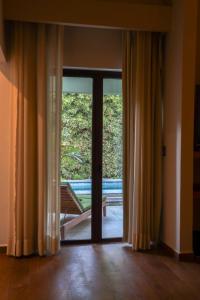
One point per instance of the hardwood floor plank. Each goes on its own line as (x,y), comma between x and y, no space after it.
(98,272)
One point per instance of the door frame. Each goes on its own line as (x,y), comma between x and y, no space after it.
(97,150)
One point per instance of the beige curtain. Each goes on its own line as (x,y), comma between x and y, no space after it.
(36,69)
(142,71)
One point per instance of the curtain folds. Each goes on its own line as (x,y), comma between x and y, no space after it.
(142,78)
(36,65)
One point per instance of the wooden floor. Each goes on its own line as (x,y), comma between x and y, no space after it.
(98,272)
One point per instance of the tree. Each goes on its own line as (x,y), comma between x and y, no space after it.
(76,136)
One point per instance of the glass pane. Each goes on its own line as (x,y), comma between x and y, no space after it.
(112,222)
(76,144)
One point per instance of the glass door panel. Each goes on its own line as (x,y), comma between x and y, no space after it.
(76,158)
(112,194)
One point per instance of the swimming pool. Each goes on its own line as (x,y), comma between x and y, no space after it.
(110,186)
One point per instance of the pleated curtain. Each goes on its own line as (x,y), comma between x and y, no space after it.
(142,94)
(36,73)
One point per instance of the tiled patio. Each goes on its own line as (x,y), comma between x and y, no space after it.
(112,225)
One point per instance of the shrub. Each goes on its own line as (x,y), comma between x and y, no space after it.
(76,136)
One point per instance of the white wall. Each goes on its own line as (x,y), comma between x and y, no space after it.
(5,136)
(178,132)
(172,115)
(93,48)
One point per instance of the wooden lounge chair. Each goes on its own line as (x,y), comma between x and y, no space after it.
(71,205)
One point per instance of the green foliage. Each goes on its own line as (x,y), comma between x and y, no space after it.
(112,136)
(76,136)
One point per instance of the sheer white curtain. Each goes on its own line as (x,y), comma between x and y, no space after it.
(54,88)
(36,67)
(142,79)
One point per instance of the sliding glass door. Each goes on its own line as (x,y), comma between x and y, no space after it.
(112,225)
(76,157)
(91,156)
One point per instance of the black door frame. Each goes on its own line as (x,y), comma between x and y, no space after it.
(97,148)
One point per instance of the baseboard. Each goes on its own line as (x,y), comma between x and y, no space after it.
(197,259)
(169,251)
(3,249)
(186,257)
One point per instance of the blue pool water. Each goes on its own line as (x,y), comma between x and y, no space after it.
(110,186)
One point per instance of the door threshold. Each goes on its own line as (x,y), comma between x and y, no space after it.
(89,242)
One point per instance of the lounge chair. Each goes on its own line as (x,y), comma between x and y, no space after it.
(72,205)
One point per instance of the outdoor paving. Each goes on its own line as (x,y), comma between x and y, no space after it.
(112,225)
